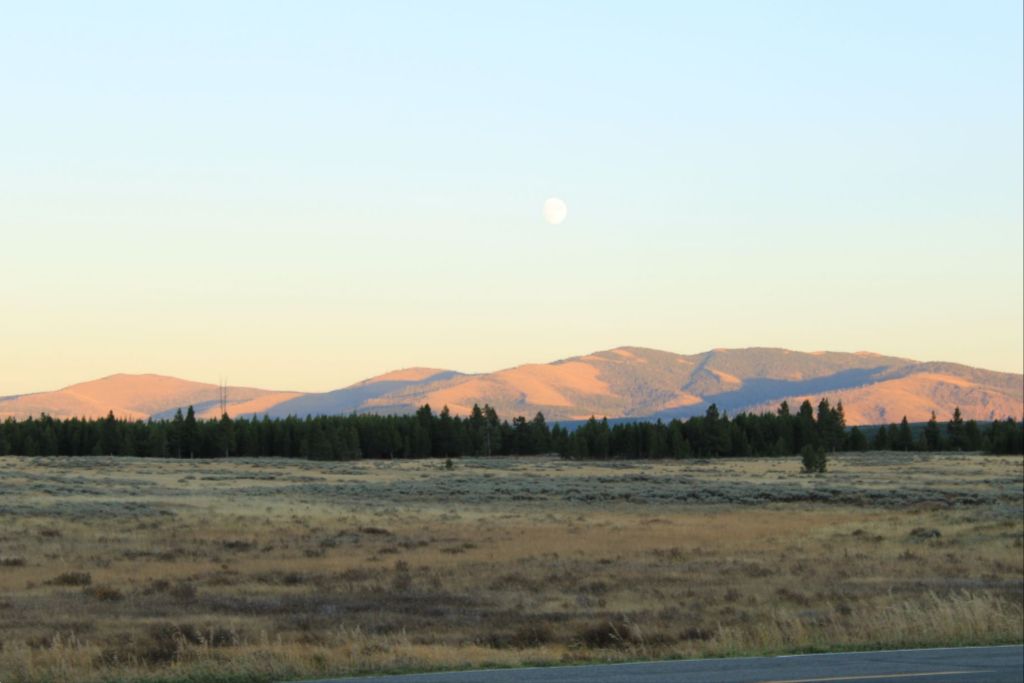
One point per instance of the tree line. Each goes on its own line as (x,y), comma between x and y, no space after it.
(429,434)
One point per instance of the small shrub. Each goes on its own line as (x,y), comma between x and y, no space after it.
(12,561)
(183,591)
(923,534)
(696,633)
(532,635)
(293,579)
(402,580)
(163,642)
(794,596)
(71,579)
(526,635)
(814,459)
(611,633)
(238,545)
(103,593)
(157,586)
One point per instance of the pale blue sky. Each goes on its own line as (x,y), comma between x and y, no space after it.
(300,195)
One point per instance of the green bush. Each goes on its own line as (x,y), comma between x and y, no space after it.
(814,458)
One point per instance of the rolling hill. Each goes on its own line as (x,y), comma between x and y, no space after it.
(139,397)
(628,382)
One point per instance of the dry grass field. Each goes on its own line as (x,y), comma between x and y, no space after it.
(118,569)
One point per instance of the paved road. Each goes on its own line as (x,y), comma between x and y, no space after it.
(1004,664)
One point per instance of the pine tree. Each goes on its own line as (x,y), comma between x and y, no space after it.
(932,435)
(881,441)
(824,426)
(477,425)
(905,438)
(839,425)
(955,431)
(157,441)
(492,434)
(856,441)
(972,435)
(717,432)
(109,440)
(805,432)
(814,459)
(444,443)
(425,422)
(189,433)
(176,440)
(540,437)
(225,435)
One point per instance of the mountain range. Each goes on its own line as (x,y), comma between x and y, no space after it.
(625,382)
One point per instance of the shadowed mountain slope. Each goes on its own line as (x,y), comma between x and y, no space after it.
(356,397)
(627,382)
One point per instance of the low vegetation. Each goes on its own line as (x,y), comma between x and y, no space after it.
(135,569)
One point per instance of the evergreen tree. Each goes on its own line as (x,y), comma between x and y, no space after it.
(678,446)
(157,446)
(540,435)
(932,435)
(805,432)
(225,436)
(881,441)
(956,431)
(444,444)
(425,418)
(784,431)
(492,433)
(972,436)
(814,459)
(824,426)
(176,434)
(420,440)
(856,441)
(1006,437)
(739,442)
(190,434)
(48,441)
(109,439)
(520,435)
(838,419)
(718,435)
(904,440)
(477,425)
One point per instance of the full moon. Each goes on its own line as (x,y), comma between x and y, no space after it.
(555,210)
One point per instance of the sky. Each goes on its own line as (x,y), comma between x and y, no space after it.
(302,195)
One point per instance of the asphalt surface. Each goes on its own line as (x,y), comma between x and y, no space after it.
(1001,664)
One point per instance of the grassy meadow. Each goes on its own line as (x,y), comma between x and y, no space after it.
(125,569)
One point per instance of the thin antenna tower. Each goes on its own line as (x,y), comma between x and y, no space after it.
(223,396)
(224,411)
